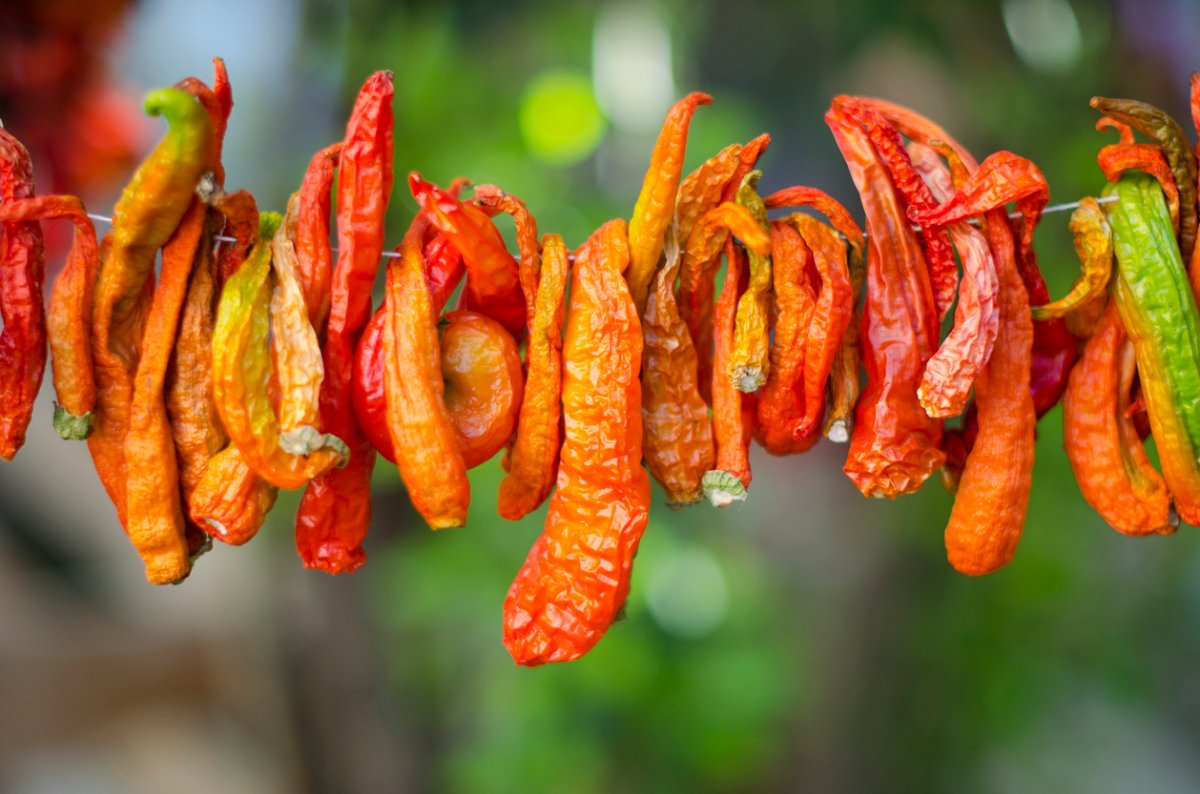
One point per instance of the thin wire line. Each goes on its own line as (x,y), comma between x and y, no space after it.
(1070,205)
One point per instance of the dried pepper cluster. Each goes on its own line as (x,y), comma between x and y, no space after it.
(251,360)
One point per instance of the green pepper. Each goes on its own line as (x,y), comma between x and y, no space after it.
(1159,313)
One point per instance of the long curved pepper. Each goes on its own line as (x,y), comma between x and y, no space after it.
(1093,245)
(576,577)
(655,205)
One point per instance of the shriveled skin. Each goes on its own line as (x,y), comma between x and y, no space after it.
(423,436)
(314,256)
(481,368)
(993,493)
(576,577)
(894,445)
(844,378)
(493,200)
(1119,483)
(242,366)
(950,372)
(655,205)
(750,360)
(939,255)
(151,208)
(533,459)
(154,516)
(781,403)
(230,501)
(1093,245)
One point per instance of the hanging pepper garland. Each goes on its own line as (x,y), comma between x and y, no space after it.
(252,361)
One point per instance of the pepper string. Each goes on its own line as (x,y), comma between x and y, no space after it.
(254,359)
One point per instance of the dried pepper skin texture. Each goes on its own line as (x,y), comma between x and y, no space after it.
(729,479)
(242,366)
(939,255)
(950,372)
(781,405)
(423,436)
(230,501)
(1157,124)
(844,382)
(1114,160)
(493,276)
(335,511)
(749,362)
(68,321)
(655,205)
(150,209)
(993,493)
(576,577)
(314,255)
(484,384)
(697,282)
(533,459)
(1158,312)
(1093,245)
(894,445)
(493,200)
(369,396)
(154,516)
(22,273)
(1116,479)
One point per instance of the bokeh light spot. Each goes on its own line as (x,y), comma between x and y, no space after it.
(560,120)
(1045,33)
(688,594)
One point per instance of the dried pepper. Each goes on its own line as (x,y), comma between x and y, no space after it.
(151,208)
(423,437)
(533,459)
(576,577)
(894,445)
(1158,312)
(335,511)
(950,372)
(1093,245)
(68,321)
(844,379)
(655,205)
(314,259)
(1157,124)
(1105,452)
(749,362)
(493,276)
(1116,159)
(22,271)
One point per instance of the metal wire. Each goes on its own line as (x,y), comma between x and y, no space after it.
(1070,205)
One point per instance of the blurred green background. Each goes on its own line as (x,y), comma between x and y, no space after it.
(806,640)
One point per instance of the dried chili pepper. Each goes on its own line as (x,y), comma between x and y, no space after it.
(749,361)
(314,258)
(844,382)
(677,433)
(950,372)
(22,272)
(1110,464)
(733,426)
(1093,244)
(493,276)
(781,405)
(576,577)
(153,515)
(939,255)
(242,366)
(335,511)
(655,205)
(1157,124)
(1158,311)
(696,279)
(993,492)
(533,459)
(423,437)
(894,445)
(150,209)
(230,500)
(1116,159)
(484,385)
(69,318)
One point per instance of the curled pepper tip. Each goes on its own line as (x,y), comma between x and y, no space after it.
(723,488)
(72,427)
